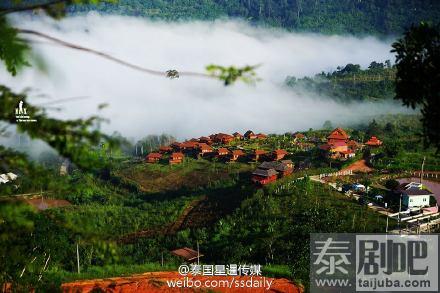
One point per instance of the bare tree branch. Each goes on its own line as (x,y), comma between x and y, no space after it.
(107,56)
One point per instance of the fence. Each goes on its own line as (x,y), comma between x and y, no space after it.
(338,173)
(427,174)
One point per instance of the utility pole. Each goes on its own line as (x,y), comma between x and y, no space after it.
(400,210)
(198,253)
(423,167)
(386,229)
(77,258)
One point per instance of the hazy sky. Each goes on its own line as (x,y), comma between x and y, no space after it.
(142,104)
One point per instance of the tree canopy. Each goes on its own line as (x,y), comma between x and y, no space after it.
(418,75)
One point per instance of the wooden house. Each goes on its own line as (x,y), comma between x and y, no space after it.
(373,142)
(298,136)
(221,152)
(237,136)
(205,139)
(257,154)
(283,168)
(165,149)
(288,163)
(336,146)
(176,158)
(187,254)
(236,154)
(264,176)
(223,138)
(189,145)
(353,145)
(279,154)
(261,136)
(250,135)
(153,157)
(176,146)
(204,149)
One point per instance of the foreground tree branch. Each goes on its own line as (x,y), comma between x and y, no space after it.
(107,56)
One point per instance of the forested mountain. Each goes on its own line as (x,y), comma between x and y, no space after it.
(325,16)
(350,82)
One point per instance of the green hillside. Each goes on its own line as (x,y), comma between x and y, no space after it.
(345,16)
(350,83)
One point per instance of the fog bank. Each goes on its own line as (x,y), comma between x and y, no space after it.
(141,104)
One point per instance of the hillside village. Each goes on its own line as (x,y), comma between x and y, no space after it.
(252,148)
(272,164)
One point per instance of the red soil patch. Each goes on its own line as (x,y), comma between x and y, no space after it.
(156,282)
(46,203)
(359,166)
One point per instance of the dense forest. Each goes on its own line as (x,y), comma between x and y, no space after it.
(350,83)
(324,16)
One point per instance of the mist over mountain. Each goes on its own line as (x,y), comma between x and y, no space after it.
(141,104)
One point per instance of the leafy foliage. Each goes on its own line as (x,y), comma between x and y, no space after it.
(12,49)
(231,74)
(418,78)
(71,138)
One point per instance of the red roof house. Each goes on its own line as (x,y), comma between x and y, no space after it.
(256,155)
(153,157)
(176,158)
(189,145)
(373,142)
(264,176)
(336,146)
(261,136)
(279,154)
(223,138)
(222,152)
(176,146)
(338,134)
(204,148)
(236,154)
(165,149)
(205,139)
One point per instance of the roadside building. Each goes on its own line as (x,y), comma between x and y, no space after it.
(415,198)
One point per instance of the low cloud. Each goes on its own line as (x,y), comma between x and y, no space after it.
(141,104)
